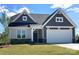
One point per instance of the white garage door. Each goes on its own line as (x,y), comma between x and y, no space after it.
(59,35)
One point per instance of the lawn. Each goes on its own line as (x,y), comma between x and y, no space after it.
(26,49)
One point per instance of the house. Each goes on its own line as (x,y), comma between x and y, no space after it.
(41,28)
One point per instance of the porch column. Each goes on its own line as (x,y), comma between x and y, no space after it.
(32,34)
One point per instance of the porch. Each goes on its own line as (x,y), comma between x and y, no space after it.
(38,36)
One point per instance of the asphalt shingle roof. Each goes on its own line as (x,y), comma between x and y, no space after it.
(39,18)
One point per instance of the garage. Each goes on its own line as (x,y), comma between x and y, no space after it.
(59,35)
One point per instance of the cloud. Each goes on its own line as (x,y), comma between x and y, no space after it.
(11,14)
(18,11)
(68,7)
(3,8)
(65,6)
(74,9)
(23,8)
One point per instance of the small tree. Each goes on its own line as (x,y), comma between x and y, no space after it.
(77,38)
(5,21)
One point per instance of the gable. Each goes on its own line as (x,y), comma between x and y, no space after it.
(29,20)
(18,20)
(51,21)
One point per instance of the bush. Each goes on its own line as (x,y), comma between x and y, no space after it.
(4,38)
(20,41)
(78,40)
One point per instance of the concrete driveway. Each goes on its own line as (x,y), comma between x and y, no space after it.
(73,46)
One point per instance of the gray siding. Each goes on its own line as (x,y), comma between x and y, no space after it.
(53,23)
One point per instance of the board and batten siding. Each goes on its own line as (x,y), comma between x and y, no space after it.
(13,32)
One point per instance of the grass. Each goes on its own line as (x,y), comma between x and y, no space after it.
(25,49)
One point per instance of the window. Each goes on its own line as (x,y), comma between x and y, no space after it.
(21,34)
(24,18)
(59,19)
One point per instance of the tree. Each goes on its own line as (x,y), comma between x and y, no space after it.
(77,38)
(5,21)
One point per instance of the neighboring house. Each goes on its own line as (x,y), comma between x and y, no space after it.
(42,28)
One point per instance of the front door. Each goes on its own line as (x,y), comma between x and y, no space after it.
(37,36)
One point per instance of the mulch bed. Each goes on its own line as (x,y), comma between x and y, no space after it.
(5,46)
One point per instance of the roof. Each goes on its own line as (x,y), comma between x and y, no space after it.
(39,18)
(13,17)
(54,13)
(50,16)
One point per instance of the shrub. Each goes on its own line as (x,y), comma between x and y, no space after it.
(77,38)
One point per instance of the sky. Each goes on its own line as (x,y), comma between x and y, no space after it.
(72,10)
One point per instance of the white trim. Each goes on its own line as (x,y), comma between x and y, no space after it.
(23,18)
(59,26)
(21,14)
(32,34)
(31,17)
(63,14)
(17,17)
